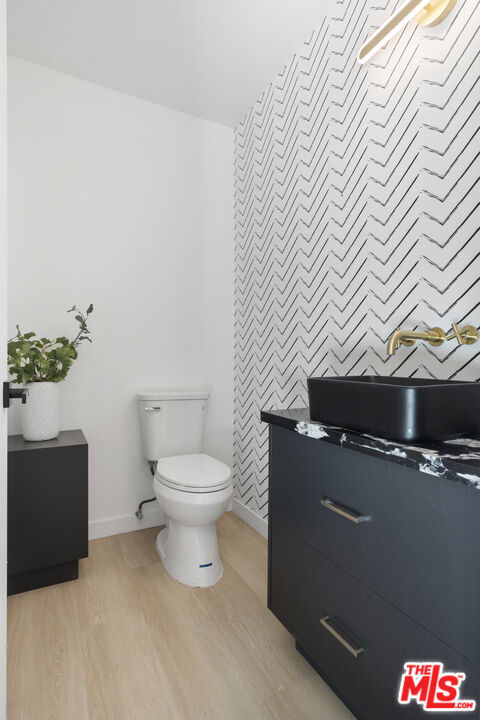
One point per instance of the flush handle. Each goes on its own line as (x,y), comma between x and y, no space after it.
(339,634)
(152,409)
(344,512)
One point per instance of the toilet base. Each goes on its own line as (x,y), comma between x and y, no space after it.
(190,554)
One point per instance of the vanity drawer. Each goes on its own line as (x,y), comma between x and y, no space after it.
(305,587)
(413,538)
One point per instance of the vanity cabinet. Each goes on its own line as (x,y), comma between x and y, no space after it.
(371,565)
(47,510)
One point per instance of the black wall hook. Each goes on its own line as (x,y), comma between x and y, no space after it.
(13,394)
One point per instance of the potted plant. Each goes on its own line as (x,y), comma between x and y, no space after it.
(40,364)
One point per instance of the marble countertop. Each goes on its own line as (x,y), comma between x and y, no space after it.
(457,460)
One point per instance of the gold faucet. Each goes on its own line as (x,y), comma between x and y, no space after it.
(436,336)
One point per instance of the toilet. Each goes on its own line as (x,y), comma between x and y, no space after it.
(193,488)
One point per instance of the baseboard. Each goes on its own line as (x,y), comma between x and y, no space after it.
(152,516)
(248,516)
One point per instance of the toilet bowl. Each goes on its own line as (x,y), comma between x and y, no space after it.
(194,491)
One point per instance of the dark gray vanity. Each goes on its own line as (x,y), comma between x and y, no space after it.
(374,558)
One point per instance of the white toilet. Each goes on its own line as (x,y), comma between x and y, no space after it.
(192,488)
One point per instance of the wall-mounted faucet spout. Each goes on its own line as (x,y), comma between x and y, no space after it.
(436,336)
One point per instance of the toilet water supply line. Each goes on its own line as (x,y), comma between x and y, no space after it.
(139,513)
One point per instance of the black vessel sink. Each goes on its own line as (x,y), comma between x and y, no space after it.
(397,408)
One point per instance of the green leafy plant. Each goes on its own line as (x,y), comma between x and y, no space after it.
(33,359)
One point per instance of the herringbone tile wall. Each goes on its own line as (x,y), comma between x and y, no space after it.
(357,211)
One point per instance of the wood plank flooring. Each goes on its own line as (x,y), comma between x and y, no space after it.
(125,641)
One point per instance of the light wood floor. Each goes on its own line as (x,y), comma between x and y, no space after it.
(125,641)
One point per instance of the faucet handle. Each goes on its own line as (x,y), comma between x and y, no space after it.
(465,336)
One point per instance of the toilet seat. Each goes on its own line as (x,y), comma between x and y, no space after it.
(198,473)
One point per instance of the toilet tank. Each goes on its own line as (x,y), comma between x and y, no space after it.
(172,422)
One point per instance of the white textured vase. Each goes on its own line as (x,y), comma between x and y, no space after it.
(41,412)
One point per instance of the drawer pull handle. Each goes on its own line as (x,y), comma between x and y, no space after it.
(343,511)
(152,409)
(330,625)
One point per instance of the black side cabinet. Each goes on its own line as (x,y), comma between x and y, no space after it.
(47,510)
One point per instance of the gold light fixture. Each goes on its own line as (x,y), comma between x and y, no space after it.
(426,12)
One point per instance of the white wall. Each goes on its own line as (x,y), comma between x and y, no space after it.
(129,205)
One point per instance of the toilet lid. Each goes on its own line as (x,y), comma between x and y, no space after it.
(193,472)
